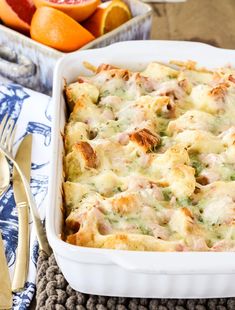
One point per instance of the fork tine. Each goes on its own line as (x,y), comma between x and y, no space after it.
(7,132)
(11,138)
(2,126)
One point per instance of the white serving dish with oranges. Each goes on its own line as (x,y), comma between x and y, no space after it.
(44,57)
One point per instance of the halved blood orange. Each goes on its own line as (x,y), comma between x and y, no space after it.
(77,9)
(17,14)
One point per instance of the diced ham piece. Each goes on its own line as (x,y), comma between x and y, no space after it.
(123,138)
(108,114)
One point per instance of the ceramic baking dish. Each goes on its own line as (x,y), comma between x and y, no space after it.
(43,58)
(128,273)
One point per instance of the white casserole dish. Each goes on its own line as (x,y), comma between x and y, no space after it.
(127,273)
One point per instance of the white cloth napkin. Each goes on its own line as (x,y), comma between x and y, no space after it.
(31,112)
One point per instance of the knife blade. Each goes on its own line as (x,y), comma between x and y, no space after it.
(5,283)
(23,159)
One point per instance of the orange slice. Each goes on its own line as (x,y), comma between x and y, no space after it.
(58,30)
(108,16)
(77,9)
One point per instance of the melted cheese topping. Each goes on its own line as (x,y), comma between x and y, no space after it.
(150,159)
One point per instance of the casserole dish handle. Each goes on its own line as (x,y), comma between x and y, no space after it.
(15,66)
(174,263)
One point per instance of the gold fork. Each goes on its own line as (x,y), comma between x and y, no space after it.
(5,169)
(40,232)
(5,284)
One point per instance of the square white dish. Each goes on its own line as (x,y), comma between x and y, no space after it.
(44,58)
(127,273)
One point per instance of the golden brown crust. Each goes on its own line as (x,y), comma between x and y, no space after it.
(185,85)
(80,103)
(81,238)
(125,204)
(105,67)
(203,180)
(68,93)
(231,78)
(145,138)
(122,241)
(73,223)
(189,65)
(187,212)
(219,91)
(87,153)
(115,72)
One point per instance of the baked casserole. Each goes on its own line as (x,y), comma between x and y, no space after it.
(150,159)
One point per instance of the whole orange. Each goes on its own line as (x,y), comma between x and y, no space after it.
(58,30)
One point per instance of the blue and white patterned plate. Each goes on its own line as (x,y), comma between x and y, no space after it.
(31,112)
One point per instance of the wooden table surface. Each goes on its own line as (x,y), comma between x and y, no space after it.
(209,21)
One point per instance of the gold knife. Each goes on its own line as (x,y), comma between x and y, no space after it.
(5,282)
(23,159)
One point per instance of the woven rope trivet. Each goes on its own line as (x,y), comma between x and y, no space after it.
(54,293)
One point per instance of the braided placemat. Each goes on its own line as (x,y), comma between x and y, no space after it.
(54,293)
